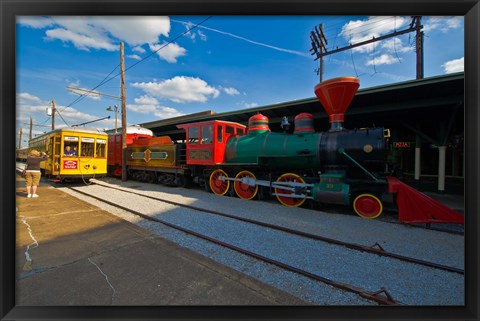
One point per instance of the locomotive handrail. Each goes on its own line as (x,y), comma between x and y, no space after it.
(342,151)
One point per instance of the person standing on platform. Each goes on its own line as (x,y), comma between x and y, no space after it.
(32,171)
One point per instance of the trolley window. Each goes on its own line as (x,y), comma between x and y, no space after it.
(101,147)
(193,135)
(87,147)
(57,146)
(207,134)
(70,145)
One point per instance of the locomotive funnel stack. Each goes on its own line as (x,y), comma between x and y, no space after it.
(335,95)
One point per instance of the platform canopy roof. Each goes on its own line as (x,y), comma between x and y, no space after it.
(416,98)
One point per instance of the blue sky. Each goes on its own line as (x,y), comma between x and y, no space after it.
(224,63)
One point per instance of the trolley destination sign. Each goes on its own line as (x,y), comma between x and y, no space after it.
(70,164)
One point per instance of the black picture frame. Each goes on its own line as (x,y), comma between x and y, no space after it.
(11,8)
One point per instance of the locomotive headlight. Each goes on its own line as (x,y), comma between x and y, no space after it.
(368,148)
(87,166)
(94,166)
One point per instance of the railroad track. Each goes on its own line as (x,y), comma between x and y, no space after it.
(380,296)
(374,249)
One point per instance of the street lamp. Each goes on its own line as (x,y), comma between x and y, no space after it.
(116,113)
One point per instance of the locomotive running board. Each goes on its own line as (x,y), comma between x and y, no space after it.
(286,186)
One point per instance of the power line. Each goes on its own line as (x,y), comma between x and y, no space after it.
(374,39)
(154,52)
(106,79)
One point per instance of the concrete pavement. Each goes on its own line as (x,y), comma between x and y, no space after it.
(72,253)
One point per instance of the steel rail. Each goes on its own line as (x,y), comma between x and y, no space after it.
(370,249)
(376,296)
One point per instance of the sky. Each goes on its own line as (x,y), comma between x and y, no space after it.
(181,65)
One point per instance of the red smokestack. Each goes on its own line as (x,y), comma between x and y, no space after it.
(335,95)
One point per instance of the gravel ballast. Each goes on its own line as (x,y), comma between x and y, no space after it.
(408,283)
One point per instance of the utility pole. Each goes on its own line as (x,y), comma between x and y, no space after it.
(30,136)
(53,114)
(124,115)
(20,140)
(319,43)
(419,47)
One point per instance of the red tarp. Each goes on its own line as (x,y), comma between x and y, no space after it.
(416,207)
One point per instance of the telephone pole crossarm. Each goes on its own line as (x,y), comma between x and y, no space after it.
(397,33)
(319,42)
(74,90)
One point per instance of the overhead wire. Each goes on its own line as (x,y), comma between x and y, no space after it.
(106,79)
(395,43)
(78,99)
(363,29)
(154,52)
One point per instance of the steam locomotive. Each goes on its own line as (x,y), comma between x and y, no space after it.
(338,166)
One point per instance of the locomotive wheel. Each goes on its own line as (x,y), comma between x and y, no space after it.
(218,186)
(289,201)
(367,206)
(245,191)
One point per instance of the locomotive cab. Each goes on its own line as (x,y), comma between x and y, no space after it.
(206,141)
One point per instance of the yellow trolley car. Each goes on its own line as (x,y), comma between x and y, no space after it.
(87,157)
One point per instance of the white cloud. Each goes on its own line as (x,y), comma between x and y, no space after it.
(136,57)
(27,98)
(169,52)
(180,89)
(193,34)
(382,60)
(82,42)
(443,24)
(203,36)
(101,32)
(189,34)
(231,91)
(356,31)
(29,105)
(139,49)
(167,112)
(35,21)
(150,105)
(143,105)
(456,65)
(249,105)
(395,45)
(134,30)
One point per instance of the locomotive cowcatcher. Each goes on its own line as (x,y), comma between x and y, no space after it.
(338,166)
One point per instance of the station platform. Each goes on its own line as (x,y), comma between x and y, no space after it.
(71,253)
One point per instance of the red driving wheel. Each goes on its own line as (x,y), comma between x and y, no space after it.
(245,191)
(219,186)
(285,200)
